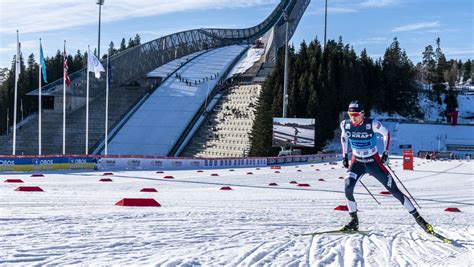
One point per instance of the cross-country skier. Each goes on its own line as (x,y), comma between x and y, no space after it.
(360,133)
(295,138)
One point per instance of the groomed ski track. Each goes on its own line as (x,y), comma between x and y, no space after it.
(76,222)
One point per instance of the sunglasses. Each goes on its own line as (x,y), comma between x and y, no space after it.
(354,114)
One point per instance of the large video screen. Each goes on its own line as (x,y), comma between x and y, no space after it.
(293,132)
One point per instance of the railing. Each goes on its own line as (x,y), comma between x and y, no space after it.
(252,33)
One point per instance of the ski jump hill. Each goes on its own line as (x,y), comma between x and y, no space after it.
(160,92)
(161,124)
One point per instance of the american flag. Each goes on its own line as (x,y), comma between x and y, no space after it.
(66,74)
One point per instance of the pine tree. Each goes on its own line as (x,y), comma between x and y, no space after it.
(79,61)
(112,49)
(123,45)
(460,70)
(261,134)
(439,87)
(400,92)
(451,75)
(472,71)
(293,87)
(467,74)
(451,97)
(137,40)
(131,43)
(429,65)
(369,77)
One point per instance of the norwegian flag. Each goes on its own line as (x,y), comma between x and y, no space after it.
(66,74)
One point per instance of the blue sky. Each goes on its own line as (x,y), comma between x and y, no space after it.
(370,24)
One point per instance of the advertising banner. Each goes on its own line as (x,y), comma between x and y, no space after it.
(39,163)
(44,163)
(154,163)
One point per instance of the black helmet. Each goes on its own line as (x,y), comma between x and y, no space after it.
(355,106)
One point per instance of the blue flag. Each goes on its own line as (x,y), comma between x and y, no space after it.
(43,64)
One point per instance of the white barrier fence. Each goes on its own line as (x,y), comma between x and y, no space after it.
(164,163)
(73,162)
(138,163)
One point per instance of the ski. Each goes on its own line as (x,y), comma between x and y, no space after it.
(429,230)
(440,237)
(340,231)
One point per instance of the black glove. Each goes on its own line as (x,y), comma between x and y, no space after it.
(345,161)
(384,156)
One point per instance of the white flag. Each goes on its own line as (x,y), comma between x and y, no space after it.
(94,64)
(17,59)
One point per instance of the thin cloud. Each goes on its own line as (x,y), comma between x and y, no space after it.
(458,51)
(448,52)
(345,6)
(372,40)
(417,26)
(333,10)
(49,15)
(377,3)
(341,10)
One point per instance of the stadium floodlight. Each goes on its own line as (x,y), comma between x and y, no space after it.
(100,3)
(285,77)
(325,21)
(285,82)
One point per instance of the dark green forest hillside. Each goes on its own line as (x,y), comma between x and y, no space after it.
(323,81)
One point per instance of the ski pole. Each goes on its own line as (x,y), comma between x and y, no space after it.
(398,179)
(360,180)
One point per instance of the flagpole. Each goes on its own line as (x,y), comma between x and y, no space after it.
(87,103)
(39,104)
(107,105)
(17,74)
(64,101)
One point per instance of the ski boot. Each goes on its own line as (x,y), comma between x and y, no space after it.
(422,223)
(353,225)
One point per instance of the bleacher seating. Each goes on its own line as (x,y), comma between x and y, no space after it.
(226,132)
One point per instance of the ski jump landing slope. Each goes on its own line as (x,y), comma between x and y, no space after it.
(158,123)
(75,222)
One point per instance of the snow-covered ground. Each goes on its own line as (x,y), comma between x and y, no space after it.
(436,113)
(466,108)
(168,68)
(246,62)
(76,222)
